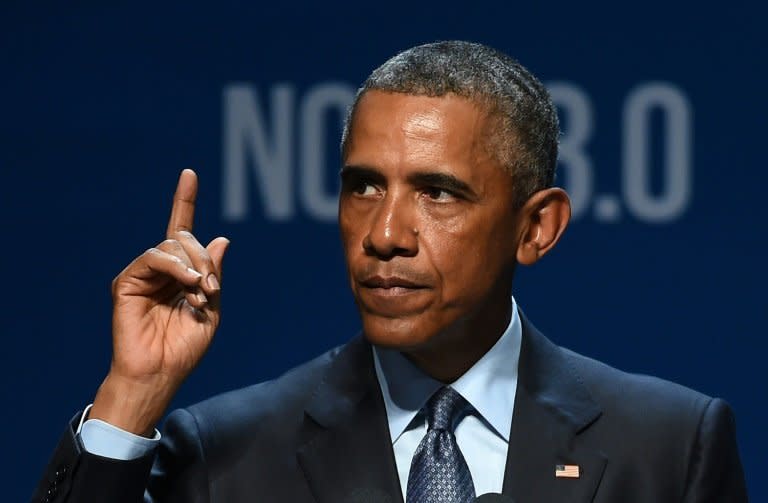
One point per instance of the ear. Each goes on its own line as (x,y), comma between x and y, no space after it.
(543,219)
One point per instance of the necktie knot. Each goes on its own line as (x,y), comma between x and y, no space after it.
(445,408)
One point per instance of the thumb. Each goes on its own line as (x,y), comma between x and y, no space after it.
(216,250)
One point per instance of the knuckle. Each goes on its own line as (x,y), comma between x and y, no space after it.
(183,236)
(169,244)
(118,283)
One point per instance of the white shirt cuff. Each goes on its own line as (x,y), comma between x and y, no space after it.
(103,439)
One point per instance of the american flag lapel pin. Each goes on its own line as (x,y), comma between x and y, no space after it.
(567,471)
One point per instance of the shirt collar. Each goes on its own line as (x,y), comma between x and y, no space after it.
(489,385)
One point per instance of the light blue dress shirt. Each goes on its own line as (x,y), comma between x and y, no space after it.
(483,437)
(490,386)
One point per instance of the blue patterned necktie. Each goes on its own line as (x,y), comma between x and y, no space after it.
(439,473)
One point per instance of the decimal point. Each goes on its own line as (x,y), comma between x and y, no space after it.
(607,208)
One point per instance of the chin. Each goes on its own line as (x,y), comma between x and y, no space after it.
(395,333)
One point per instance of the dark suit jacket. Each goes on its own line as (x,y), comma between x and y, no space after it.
(319,434)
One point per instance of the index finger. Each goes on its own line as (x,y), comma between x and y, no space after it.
(183,211)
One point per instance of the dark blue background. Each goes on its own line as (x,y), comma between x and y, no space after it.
(103,105)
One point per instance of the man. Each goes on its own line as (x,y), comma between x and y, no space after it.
(447,184)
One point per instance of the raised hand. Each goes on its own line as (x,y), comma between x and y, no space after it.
(166,310)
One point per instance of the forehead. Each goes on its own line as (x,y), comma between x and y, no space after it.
(420,131)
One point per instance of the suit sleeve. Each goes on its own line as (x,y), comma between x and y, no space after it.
(74,475)
(715,473)
(175,473)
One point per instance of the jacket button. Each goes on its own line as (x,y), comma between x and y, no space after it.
(60,474)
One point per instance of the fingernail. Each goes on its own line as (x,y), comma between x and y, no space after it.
(213,282)
(200,296)
(195,273)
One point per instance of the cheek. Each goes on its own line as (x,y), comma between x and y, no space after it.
(349,226)
(459,257)
(469,256)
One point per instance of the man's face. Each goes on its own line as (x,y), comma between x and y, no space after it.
(427,220)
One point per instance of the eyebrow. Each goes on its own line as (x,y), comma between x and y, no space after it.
(442,181)
(356,172)
(420,179)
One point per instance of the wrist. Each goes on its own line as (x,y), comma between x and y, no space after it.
(133,405)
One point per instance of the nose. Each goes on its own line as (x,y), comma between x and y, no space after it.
(392,230)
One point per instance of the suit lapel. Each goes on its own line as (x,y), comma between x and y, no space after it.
(552,408)
(347,453)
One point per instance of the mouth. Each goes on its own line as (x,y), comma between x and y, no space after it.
(392,296)
(391,285)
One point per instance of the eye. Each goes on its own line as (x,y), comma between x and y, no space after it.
(439,194)
(363,188)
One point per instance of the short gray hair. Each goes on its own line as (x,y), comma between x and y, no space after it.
(526,128)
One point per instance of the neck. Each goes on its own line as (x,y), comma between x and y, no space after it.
(451,354)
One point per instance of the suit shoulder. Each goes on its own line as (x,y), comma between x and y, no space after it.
(638,397)
(273,398)
(255,428)
(269,412)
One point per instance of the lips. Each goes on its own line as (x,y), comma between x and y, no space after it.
(390,282)
(392,296)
